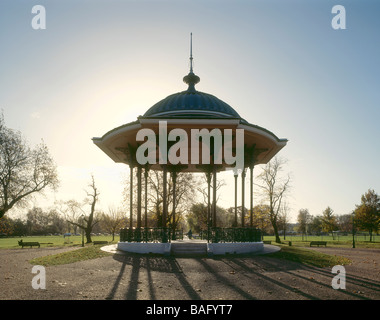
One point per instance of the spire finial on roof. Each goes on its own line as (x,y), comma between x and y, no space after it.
(191,52)
(191,79)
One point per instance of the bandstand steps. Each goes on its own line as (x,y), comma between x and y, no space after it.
(191,249)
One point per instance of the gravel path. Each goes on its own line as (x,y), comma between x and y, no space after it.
(136,277)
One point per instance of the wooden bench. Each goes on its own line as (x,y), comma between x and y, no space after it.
(318,243)
(100,242)
(28,244)
(267,242)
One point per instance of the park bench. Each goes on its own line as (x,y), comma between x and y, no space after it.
(318,243)
(28,244)
(100,242)
(267,242)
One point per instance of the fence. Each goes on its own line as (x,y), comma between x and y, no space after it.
(149,235)
(216,235)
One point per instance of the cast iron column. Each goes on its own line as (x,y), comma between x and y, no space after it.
(236,177)
(208,177)
(131,196)
(139,170)
(164,202)
(146,196)
(251,194)
(174,180)
(242,197)
(138,224)
(214,198)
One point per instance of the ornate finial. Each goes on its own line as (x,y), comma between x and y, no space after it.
(191,52)
(191,79)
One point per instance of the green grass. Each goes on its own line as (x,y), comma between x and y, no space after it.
(51,241)
(90,251)
(343,242)
(86,253)
(309,257)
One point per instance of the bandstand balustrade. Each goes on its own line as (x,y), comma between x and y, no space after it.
(247,234)
(149,234)
(214,235)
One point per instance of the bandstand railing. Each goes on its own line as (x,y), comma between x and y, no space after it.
(214,235)
(218,234)
(150,235)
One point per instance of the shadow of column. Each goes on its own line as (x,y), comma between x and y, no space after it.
(226,281)
(115,286)
(131,293)
(183,281)
(150,280)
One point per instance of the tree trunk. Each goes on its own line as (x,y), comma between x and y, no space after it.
(275,229)
(88,235)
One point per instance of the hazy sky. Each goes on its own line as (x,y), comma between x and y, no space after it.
(280,64)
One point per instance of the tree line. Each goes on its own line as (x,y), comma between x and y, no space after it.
(365,217)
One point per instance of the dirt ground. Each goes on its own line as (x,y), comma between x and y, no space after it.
(142,277)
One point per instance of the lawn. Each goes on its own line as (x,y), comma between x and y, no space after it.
(309,257)
(86,253)
(341,241)
(51,241)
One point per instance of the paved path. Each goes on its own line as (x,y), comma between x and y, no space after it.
(136,277)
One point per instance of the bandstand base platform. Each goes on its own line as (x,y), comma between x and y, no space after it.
(191,248)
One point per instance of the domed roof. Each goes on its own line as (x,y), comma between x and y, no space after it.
(192,103)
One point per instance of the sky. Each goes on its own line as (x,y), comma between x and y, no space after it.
(280,64)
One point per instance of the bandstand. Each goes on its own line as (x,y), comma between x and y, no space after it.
(182,133)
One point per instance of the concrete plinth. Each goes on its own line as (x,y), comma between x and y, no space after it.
(192,247)
(234,248)
(145,247)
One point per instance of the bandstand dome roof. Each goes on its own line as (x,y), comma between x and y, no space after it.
(192,103)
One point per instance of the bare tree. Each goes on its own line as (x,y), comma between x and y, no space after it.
(71,211)
(284,217)
(87,222)
(203,188)
(274,188)
(23,171)
(113,220)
